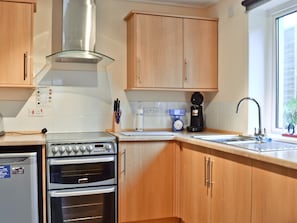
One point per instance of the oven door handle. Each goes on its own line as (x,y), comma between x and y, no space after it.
(80,161)
(81,192)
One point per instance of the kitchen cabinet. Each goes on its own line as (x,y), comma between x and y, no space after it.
(200,54)
(147,182)
(215,186)
(274,193)
(167,52)
(16,18)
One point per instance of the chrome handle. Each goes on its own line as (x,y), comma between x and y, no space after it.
(81,192)
(83,180)
(208,172)
(80,161)
(211,182)
(186,70)
(205,171)
(139,71)
(25,65)
(123,162)
(17,158)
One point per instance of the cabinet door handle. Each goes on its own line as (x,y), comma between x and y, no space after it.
(205,172)
(25,65)
(208,172)
(211,182)
(139,71)
(186,70)
(123,162)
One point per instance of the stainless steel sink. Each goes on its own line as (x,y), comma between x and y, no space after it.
(229,139)
(250,143)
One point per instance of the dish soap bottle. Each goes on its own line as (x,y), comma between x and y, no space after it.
(139,119)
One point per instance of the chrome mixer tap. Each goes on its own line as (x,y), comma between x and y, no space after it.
(258,133)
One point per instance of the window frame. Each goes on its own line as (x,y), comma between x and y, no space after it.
(274,14)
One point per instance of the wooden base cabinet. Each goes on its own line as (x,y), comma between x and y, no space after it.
(215,187)
(274,194)
(16,40)
(147,182)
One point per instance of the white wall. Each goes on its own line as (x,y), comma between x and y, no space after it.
(77,109)
(233,68)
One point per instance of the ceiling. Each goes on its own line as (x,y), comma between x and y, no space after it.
(186,3)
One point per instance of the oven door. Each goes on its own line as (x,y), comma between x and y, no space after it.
(81,171)
(83,205)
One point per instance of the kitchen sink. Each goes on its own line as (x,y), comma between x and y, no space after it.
(250,143)
(229,139)
(148,133)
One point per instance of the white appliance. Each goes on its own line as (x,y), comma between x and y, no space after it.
(19,188)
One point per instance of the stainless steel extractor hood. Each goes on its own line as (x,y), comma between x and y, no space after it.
(73,44)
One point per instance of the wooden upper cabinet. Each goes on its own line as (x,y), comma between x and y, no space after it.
(171,52)
(201,54)
(16,22)
(156,57)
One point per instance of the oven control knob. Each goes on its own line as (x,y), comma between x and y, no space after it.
(55,149)
(82,149)
(68,149)
(107,147)
(89,148)
(62,149)
(75,149)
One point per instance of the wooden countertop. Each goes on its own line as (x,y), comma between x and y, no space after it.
(282,158)
(22,138)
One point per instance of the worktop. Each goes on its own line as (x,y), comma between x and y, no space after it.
(282,158)
(22,138)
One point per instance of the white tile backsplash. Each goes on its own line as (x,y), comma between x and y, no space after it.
(156,115)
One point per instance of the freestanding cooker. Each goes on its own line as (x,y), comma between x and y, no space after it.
(81,177)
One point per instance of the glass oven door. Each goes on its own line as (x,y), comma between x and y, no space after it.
(81,171)
(83,205)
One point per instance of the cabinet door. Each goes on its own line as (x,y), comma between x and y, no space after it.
(159,50)
(146,180)
(215,187)
(231,188)
(274,191)
(15,39)
(194,200)
(201,54)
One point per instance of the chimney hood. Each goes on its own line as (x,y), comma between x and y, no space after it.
(73,45)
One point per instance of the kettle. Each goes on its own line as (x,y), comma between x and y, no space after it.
(2,132)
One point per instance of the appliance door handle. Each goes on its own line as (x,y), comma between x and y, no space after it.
(81,161)
(14,158)
(81,192)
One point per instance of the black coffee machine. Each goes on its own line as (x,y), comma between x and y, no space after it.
(196,124)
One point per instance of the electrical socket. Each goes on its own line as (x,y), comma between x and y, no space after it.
(36,112)
(151,110)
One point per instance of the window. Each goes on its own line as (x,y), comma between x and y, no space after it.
(286,69)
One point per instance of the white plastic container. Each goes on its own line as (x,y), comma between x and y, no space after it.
(139,119)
